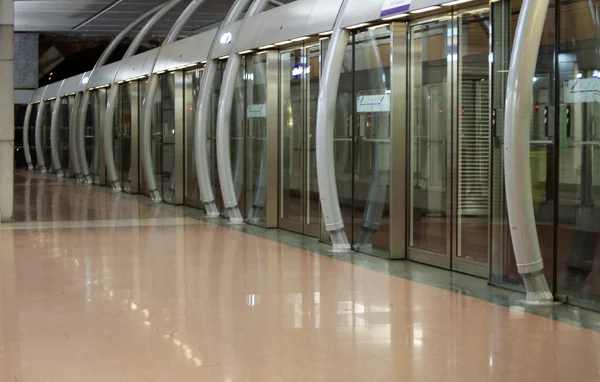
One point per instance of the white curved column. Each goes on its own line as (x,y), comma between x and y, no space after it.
(148,103)
(26,147)
(519,98)
(332,70)
(203,122)
(157,13)
(230,75)
(39,150)
(73,156)
(54,141)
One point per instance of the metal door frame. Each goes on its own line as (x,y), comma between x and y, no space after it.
(188,135)
(300,228)
(449,260)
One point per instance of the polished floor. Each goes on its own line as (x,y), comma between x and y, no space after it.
(97,287)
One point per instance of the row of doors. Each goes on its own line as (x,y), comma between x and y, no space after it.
(448,148)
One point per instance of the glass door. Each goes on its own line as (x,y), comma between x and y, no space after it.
(449,141)
(46,135)
(192,80)
(167,183)
(299,207)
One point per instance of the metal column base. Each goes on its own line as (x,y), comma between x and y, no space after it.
(155,196)
(365,239)
(211,210)
(43,170)
(60,173)
(29,166)
(537,289)
(339,241)
(116,186)
(170,196)
(234,215)
(86,179)
(255,213)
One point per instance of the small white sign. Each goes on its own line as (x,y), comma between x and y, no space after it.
(226,38)
(392,7)
(257,111)
(582,90)
(373,103)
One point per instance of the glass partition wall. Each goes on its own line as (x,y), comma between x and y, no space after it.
(192,79)
(63,133)
(578,151)
(46,134)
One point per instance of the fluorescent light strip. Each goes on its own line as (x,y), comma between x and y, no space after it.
(283,42)
(358,26)
(395,17)
(224,57)
(378,26)
(426,9)
(267,46)
(456,2)
(329,33)
(300,38)
(245,51)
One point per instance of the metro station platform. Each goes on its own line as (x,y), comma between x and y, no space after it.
(103,287)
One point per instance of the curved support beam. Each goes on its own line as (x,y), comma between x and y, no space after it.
(39,150)
(26,147)
(517,170)
(234,63)
(54,133)
(73,156)
(332,69)
(203,121)
(157,14)
(148,103)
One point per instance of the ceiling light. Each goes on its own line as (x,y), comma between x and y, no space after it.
(358,26)
(456,2)
(378,26)
(245,51)
(326,33)
(401,15)
(426,9)
(224,57)
(203,62)
(267,46)
(300,38)
(284,42)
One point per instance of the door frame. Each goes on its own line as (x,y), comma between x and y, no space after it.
(298,227)
(450,259)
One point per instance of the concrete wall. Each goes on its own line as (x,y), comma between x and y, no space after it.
(26,60)
(7,128)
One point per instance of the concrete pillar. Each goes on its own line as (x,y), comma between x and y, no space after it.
(6,110)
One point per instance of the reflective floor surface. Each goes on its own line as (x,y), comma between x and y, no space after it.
(98,287)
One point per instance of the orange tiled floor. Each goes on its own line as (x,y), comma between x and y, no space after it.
(157,299)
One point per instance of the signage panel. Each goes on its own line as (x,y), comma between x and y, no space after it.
(582,90)
(257,111)
(379,103)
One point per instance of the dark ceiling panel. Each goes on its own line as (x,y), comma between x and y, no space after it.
(64,15)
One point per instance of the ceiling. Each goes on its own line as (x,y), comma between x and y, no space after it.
(69,15)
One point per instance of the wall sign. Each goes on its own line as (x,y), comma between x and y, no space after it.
(257,111)
(373,103)
(392,7)
(226,38)
(582,90)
